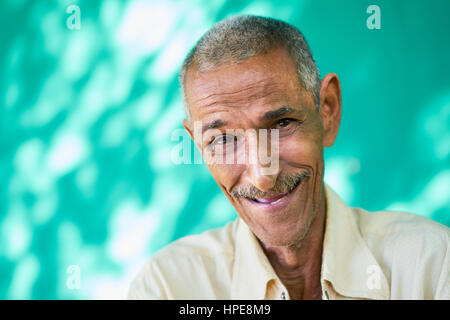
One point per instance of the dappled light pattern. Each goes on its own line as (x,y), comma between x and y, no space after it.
(87,116)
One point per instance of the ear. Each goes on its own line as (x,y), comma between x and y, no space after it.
(187,126)
(330,108)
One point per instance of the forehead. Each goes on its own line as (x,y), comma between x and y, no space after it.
(265,79)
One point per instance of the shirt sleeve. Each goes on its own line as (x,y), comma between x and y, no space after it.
(443,287)
(147,286)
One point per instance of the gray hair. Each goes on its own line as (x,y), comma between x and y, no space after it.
(240,37)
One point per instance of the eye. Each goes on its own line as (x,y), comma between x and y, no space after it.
(222,139)
(282,123)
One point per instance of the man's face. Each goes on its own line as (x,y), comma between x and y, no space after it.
(263,92)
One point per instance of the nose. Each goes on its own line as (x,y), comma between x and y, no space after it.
(262,174)
(259,179)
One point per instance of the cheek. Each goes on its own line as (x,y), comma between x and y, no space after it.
(226,175)
(296,150)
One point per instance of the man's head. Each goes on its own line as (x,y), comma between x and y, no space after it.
(253,73)
(238,38)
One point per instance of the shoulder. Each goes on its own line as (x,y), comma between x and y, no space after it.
(414,252)
(398,226)
(189,263)
(211,243)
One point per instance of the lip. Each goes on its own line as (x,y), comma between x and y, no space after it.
(271,200)
(275,204)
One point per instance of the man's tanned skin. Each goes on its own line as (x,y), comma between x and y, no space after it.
(237,96)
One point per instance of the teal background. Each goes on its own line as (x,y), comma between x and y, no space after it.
(86,119)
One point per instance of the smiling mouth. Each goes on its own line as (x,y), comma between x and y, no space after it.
(270,200)
(275,199)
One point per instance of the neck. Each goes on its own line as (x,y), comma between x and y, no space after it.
(298,266)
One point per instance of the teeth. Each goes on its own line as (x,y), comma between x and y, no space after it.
(268,201)
(272,200)
(276,201)
(264,200)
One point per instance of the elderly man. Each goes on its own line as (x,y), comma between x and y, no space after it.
(294,238)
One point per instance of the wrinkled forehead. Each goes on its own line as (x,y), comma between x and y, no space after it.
(271,76)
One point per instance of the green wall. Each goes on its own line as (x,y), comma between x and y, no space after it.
(87,116)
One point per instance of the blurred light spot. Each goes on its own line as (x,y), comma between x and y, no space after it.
(86,179)
(170,59)
(435,196)
(82,46)
(104,287)
(15,56)
(45,208)
(262,8)
(146,25)
(40,182)
(435,123)
(161,157)
(16,231)
(70,242)
(12,94)
(353,165)
(52,28)
(25,274)
(170,120)
(67,152)
(158,137)
(219,211)
(169,194)
(93,98)
(55,95)
(131,230)
(119,87)
(338,172)
(110,12)
(28,157)
(145,109)
(115,131)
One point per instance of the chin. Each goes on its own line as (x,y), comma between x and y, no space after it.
(283,235)
(281,239)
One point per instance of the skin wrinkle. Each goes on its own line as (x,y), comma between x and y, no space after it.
(292,237)
(294,277)
(262,91)
(218,123)
(262,85)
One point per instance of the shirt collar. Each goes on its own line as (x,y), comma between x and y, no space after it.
(251,269)
(347,263)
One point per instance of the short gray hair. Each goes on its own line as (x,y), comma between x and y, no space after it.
(240,37)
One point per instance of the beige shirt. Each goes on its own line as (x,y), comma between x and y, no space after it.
(366,255)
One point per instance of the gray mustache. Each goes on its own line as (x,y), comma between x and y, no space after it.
(282,185)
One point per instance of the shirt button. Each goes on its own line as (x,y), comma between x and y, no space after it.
(283,295)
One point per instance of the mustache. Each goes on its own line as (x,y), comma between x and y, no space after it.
(282,185)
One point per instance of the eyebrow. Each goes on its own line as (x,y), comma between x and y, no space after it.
(213,125)
(270,115)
